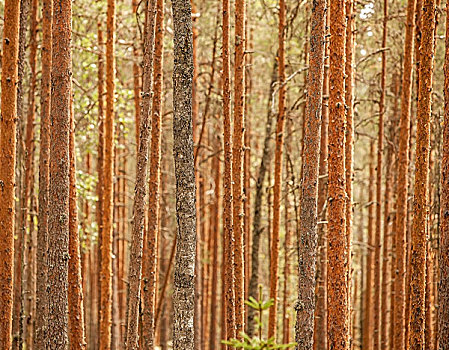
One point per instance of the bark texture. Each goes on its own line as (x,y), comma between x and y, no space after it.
(58,234)
(419,228)
(337,243)
(184,274)
(7,165)
(308,240)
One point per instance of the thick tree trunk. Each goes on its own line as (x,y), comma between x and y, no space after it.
(338,255)
(58,234)
(308,240)
(7,165)
(108,190)
(443,289)
(137,244)
(184,278)
(44,178)
(419,229)
(402,190)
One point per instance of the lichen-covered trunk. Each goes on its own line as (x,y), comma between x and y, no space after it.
(419,229)
(7,165)
(139,206)
(44,178)
(184,274)
(337,288)
(277,188)
(402,190)
(443,289)
(77,338)
(58,221)
(108,190)
(308,240)
(237,164)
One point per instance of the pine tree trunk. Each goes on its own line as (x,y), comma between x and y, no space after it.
(308,240)
(184,274)
(77,338)
(419,229)
(338,254)
(7,165)
(402,191)
(58,234)
(44,178)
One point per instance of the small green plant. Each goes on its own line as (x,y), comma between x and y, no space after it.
(257,342)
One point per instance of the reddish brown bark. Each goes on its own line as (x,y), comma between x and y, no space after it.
(307,242)
(108,190)
(337,243)
(136,78)
(7,165)
(77,338)
(402,190)
(419,229)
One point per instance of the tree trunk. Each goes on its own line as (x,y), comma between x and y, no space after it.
(58,234)
(77,338)
(184,280)
(337,243)
(44,178)
(402,191)
(7,165)
(308,240)
(419,229)
(135,267)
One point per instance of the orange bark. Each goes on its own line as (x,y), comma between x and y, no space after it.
(108,173)
(338,254)
(419,229)
(7,165)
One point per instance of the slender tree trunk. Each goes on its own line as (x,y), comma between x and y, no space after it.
(184,280)
(443,289)
(136,77)
(7,165)
(367,338)
(77,338)
(137,243)
(58,234)
(228,227)
(419,231)
(44,178)
(108,189)
(308,240)
(402,191)
(429,302)
(337,243)
(237,165)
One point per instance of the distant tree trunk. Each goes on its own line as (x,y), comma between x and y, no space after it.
(308,240)
(402,190)
(58,234)
(184,280)
(257,230)
(108,190)
(277,189)
(77,338)
(139,207)
(7,165)
(228,227)
(367,338)
(100,172)
(337,243)
(429,301)
(44,178)
(237,164)
(136,76)
(320,328)
(419,229)
(443,289)
(349,149)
